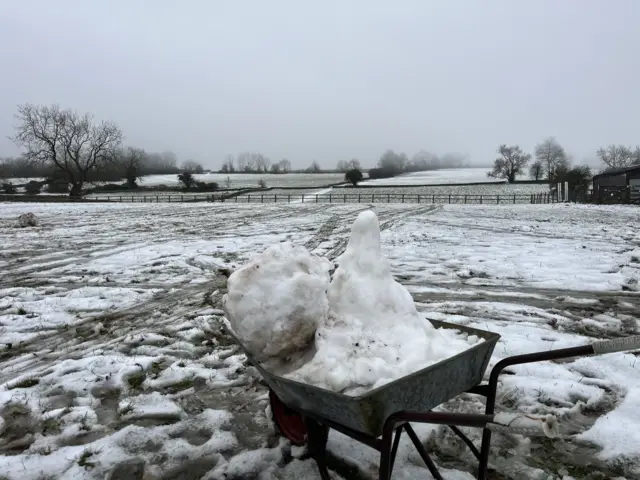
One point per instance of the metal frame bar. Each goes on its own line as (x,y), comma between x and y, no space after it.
(318,427)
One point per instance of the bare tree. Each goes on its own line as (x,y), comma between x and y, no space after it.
(354,164)
(313,168)
(422,161)
(346,165)
(284,165)
(394,163)
(510,163)
(241,162)
(536,170)
(69,143)
(192,166)
(169,158)
(552,156)
(618,156)
(229,164)
(130,162)
(262,163)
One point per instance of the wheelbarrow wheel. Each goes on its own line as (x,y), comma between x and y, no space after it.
(289,422)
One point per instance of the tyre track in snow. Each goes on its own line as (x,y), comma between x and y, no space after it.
(574,305)
(387,219)
(77,338)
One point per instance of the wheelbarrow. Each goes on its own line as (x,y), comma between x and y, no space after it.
(304,414)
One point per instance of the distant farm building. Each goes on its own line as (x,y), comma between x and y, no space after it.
(620,185)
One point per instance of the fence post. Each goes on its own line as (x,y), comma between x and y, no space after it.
(330,198)
(418,198)
(316,198)
(514,199)
(358,198)
(388,198)
(275,198)
(289,198)
(345,198)
(449,198)
(303,198)
(403,198)
(497,199)
(465,199)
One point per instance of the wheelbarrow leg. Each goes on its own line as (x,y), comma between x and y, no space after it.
(423,453)
(317,436)
(388,450)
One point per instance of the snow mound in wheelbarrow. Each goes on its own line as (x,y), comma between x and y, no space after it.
(372,332)
(276,302)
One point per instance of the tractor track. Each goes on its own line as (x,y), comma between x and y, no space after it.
(74,341)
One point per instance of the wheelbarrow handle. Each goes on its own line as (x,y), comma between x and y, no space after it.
(623,344)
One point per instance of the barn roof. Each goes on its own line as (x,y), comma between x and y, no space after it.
(619,171)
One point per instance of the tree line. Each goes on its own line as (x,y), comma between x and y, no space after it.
(553,164)
(70,150)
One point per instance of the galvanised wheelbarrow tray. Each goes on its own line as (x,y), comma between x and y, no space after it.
(304,413)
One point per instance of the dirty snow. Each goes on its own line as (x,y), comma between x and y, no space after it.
(114,363)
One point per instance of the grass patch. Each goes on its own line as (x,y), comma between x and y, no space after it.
(85,459)
(24,383)
(180,386)
(136,380)
(22,311)
(51,426)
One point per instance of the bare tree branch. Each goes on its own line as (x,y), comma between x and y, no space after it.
(72,145)
(510,164)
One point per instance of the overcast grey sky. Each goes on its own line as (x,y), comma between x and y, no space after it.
(331,80)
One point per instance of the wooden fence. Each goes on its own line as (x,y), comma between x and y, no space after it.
(341,198)
(285,198)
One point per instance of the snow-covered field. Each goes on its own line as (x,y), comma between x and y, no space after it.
(243,180)
(443,176)
(497,189)
(113,363)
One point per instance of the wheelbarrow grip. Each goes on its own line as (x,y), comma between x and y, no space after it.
(623,344)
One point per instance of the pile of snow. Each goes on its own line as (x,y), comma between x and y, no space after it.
(28,220)
(367,329)
(276,302)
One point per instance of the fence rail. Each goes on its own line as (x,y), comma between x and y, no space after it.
(468,199)
(341,198)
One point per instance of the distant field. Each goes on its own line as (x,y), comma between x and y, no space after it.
(241,180)
(449,178)
(497,189)
(446,175)
(236,180)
